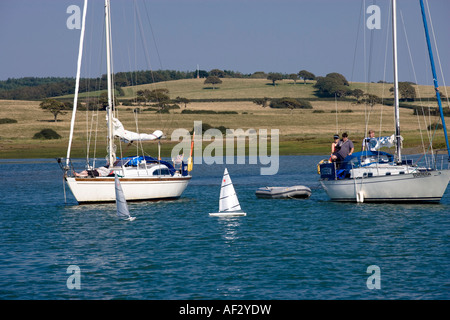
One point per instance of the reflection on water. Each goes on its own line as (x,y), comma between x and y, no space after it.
(230,227)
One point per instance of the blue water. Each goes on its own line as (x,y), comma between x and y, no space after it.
(283,249)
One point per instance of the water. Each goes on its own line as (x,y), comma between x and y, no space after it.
(283,249)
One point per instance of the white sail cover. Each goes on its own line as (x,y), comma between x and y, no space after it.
(121,203)
(129,136)
(228,200)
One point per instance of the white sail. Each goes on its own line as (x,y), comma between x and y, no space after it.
(129,136)
(121,202)
(228,201)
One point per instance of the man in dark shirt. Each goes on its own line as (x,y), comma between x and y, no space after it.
(346,148)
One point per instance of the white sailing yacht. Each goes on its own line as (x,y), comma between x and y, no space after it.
(376,176)
(228,201)
(142,177)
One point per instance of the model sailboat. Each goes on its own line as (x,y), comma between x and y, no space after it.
(228,201)
(121,202)
(143,177)
(376,176)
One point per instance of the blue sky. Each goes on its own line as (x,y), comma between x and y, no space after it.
(240,35)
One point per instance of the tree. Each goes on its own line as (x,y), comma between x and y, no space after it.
(290,103)
(213,80)
(332,84)
(159,96)
(201,74)
(54,106)
(261,101)
(306,75)
(339,78)
(103,100)
(371,99)
(259,75)
(406,90)
(182,100)
(274,77)
(294,76)
(217,72)
(357,93)
(47,134)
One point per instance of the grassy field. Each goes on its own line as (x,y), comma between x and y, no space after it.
(305,131)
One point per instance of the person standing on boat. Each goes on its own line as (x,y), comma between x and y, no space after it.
(346,148)
(335,148)
(366,142)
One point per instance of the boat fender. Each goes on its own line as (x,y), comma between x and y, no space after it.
(321,162)
(360,197)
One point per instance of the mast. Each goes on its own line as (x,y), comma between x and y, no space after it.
(77,84)
(396,103)
(433,69)
(111,154)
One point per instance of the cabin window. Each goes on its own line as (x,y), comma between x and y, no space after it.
(162,172)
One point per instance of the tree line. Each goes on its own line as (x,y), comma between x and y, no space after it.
(35,88)
(336,85)
(32,88)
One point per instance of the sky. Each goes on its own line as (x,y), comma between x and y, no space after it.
(246,36)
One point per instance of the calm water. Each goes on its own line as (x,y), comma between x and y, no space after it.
(282,249)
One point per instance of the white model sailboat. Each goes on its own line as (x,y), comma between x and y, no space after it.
(121,202)
(375,176)
(228,201)
(143,177)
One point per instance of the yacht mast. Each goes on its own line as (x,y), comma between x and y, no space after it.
(433,69)
(77,84)
(396,103)
(109,109)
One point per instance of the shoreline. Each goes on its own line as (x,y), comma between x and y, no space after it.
(51,150)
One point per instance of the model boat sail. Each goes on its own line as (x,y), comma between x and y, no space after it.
(121,202)
(228,201)
(376,176)
(143,177)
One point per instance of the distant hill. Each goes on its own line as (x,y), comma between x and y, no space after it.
(32,88)
(235,86)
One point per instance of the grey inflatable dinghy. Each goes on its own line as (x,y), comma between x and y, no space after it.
(299,192)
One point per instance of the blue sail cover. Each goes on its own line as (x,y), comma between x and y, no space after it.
(357,159)
(134,161)
(333,170)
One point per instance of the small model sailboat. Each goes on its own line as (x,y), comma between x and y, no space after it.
(121,202)
(228,201)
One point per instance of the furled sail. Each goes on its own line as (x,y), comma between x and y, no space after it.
(375,144)
(228,199)
(130,136)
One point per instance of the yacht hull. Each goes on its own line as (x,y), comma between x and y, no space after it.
(426,186)
(97,190)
